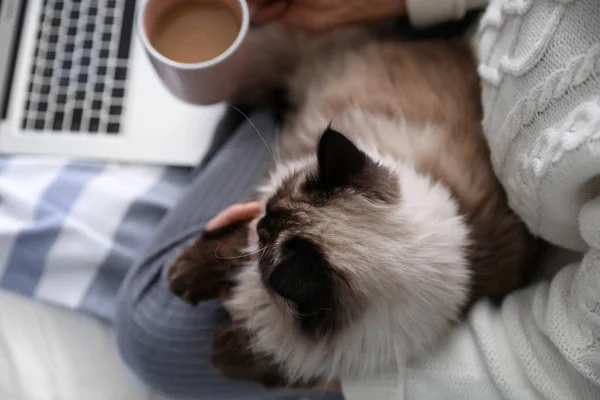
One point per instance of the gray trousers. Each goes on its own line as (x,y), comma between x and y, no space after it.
(162,340)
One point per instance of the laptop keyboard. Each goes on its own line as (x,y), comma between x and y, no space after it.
(77,81)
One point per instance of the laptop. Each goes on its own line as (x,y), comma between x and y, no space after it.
(75,82)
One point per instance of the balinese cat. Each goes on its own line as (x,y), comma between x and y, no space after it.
(383,221)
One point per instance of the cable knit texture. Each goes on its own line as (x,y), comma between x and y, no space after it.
(540,68)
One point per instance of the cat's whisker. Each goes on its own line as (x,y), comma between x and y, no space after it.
(257,131)
(263,253)
(300,314)
(240,256)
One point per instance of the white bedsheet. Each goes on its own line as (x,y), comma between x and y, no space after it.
(47,353)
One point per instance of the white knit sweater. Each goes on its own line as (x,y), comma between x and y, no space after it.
(540,67)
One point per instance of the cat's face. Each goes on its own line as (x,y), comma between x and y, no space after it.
(342,237)
(313,229)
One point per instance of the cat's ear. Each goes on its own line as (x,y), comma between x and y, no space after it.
(341,164)
(304,277)
(340,161)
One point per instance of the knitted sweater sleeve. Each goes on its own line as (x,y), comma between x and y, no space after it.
(543,343)
(540,68)
(430,12)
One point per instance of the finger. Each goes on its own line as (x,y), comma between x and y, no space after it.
(232,214)
(308,19)
(235,213)
(255,5)
(252,234)
(270,11)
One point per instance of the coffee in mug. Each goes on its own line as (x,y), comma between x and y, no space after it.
(194,46)
(195,31)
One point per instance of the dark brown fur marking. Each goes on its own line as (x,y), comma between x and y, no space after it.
(229,355)
(204,269)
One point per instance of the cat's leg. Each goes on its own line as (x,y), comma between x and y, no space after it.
(204,269)
(231,356)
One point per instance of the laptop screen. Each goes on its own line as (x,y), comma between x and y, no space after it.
(12,14)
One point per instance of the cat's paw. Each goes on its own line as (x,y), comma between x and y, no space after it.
(204,269)
(193,277)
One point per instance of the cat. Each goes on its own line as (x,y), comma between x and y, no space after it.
(383,223)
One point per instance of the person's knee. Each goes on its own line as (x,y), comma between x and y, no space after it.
(139,344)
(162,340)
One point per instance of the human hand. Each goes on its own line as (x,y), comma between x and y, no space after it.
(241,212)
(236,213)
(319,15)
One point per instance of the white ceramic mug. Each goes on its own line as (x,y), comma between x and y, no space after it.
(203,83)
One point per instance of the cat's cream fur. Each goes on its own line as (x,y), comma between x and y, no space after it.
(414,263)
